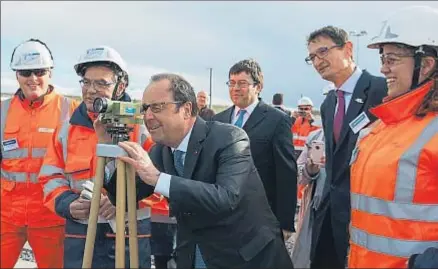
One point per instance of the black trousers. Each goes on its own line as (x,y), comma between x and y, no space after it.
(325,253)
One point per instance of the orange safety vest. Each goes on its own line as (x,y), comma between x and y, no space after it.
(300,131)
(394,185)
(26,130)
(71,160)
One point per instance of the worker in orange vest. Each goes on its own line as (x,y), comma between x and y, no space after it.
(394,175)
(28,121)
(302,124)
(301,128)
(71,161)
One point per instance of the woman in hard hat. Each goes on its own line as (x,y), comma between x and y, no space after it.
(28,121)
(394,173)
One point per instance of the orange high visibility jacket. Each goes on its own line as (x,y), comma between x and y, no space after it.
(300,131)
(26,130)
(394,185)
(71,160)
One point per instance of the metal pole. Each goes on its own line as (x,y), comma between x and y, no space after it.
(211,78)
(358,34)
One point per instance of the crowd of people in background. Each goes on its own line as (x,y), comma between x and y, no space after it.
(359,190)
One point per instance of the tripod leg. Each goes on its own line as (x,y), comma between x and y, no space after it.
(132,217)
(94,212)
(120,214)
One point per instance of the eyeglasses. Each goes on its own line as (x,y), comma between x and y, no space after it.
(243,84)
(304,108)
(392,59)
(37,72)
(320,53)
(157,107)
(100,85)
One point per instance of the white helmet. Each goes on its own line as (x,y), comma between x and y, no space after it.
(106,56)
(305,101)
(31,54)
(402,27)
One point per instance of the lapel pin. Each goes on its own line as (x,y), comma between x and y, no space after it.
(359,100)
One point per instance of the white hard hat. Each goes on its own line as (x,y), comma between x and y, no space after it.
(402,27)
(31,54)
(305,101)
(102,54)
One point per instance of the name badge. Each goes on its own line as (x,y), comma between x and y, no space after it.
(359,122)
(46,130)
(10,144)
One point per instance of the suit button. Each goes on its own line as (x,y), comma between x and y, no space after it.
(332,186)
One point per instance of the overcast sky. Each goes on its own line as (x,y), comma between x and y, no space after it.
(189,37)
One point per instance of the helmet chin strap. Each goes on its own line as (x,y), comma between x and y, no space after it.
(419,53)
(114,97)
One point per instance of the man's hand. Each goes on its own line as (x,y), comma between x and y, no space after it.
(311,168)
(80,208)
(286,234)
(106,209)
(139,159)
(102,136)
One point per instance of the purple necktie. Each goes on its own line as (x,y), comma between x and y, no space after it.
(339,116)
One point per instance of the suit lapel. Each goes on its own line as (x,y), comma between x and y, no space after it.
(256,116)
(194,147)
(227,115)
(169,167)
(330,115)
(354,108)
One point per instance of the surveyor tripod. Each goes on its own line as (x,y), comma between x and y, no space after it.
(125,182)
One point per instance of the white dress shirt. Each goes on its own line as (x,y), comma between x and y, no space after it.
(348,87)
(163,183)
(249,109)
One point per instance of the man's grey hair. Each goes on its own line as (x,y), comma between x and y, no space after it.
(181,89)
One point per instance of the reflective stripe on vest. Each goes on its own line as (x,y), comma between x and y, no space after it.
(142,134)
(389,246)
(50,170)
(299,137)
(4,110)
(407,169)
(19,176)
(394,210)
(22,153)
(403,206)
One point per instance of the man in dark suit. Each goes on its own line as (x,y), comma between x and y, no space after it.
(344,112)
(269,131)
(277,102)
(206,171)
(203,111)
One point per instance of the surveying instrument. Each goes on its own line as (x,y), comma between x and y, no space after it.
(116,117)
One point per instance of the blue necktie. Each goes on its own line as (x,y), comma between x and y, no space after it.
(239,122)
(178,160)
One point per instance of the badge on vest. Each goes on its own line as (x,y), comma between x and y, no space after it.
(46,130)
(359,122)
(10,144)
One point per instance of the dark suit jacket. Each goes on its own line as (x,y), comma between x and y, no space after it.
(206,113)
(219,202)
(284,110)
(269,131)
(370,90)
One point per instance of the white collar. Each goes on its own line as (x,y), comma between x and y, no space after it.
(184,143)
(249,109)
(349,85)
